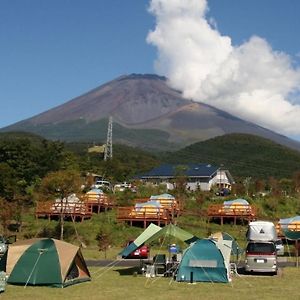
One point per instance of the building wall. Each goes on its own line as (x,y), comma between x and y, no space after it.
(221,180)
(205,184)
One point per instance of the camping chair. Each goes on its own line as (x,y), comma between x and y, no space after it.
(233,269)
(160,263)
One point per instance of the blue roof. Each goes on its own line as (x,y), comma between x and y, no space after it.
(190,170)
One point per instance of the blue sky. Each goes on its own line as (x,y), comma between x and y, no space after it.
(53,51)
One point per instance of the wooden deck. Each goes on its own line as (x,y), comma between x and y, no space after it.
(236,212)
(79,210)
(144,215)
(52,209)
(97,204)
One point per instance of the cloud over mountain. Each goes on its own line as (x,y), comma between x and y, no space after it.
(251,80)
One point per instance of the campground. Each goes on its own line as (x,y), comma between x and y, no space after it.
(120,282)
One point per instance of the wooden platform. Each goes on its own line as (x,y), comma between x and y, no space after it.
(97,205)
(144,215)
(236,212)
(74,211)
(89,204)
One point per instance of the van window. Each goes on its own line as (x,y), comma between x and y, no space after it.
(256,248)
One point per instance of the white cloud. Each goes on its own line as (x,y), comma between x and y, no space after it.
(250,81)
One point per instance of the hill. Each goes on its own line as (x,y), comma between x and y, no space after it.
(147,114)
(244,155)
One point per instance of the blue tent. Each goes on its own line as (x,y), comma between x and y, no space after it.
(206,260)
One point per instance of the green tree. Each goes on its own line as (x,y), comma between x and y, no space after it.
(6,213)
(60,184)
(8,181)
(286,186)
(274,187)
(296,181)
(104,240)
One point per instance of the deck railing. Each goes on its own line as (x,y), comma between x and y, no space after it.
(233,210)
(50,208)
(133,213)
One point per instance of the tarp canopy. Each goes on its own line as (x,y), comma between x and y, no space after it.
(153,232)
(291,227)
(45,261)
(206,260)
(140,240)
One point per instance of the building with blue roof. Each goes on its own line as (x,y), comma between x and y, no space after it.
(199,176)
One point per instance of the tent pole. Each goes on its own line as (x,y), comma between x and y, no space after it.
(297,254)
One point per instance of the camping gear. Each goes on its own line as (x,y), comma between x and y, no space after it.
(261,231)
(160,264)
(45,261)
(291,227)
(206,260)
(153,232)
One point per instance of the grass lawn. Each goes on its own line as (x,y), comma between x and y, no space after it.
(122,283)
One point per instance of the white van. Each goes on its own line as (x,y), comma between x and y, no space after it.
(261,256)
(102,184)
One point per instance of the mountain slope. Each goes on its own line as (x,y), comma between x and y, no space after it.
(146,113)
(243,154)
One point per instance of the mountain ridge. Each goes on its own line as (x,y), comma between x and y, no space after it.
(140,105)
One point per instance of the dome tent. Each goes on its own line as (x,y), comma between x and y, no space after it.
(220,236)
(47,262)
(206,260)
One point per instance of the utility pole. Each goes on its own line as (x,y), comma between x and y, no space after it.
(108,147)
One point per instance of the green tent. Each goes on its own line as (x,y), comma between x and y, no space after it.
(153,232)
(45,262)
(205,260)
